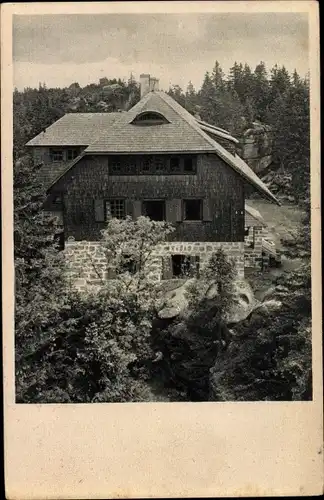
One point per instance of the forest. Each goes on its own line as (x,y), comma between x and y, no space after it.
(111,346)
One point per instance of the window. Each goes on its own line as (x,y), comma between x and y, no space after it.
(188,166)
(129,168)
(59,240)
(160,165)
(72,154)
(127,264)
(154,209)
(57,200)
(192,209)
(175,165)
(149,118)
(152,165)
(146,165)
(115,209)
(115,165)
(185,266)
(56,155)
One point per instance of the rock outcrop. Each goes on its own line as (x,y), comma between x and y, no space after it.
(256,146)
(176,302)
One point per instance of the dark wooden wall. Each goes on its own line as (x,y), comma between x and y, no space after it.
(215,182)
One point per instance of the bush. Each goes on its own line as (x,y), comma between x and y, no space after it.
(97,346)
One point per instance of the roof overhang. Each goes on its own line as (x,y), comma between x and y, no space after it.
(218,133)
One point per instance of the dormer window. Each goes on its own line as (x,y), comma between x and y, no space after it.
(56,155)
(149,118)
(71,154)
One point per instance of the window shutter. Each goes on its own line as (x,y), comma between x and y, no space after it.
(129,207)
(207,216)
(99,205)
(167,267)
(174,210)
(137,209)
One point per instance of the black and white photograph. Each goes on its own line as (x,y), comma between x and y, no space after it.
(161,184)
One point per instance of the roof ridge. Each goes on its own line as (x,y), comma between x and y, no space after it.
(139,104)
(93,113)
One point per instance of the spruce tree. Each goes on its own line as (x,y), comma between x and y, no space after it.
(39,277)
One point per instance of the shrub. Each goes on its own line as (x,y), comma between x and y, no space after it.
(97,346)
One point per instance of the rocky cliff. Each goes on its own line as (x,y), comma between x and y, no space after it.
(256,146)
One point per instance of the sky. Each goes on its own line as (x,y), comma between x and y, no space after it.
(176,48)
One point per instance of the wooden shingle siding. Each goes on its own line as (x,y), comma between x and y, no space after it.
(137,208)
(215,182)
(99,208)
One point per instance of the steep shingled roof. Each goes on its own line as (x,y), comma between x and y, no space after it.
(49,172)
(75,129)
(113,133)
(179,135)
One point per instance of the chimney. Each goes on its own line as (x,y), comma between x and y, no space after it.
(145,84)
(154,84)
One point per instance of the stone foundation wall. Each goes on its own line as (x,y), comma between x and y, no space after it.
(253,247)
(234,250)
(87,264)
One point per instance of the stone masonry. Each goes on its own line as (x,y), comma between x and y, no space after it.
(253,247)
(87,264)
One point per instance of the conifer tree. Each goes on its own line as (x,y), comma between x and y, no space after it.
(39,276)
(217,78)
(260,90)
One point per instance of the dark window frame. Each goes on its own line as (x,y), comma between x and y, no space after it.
(128,264)
(53,155)
(189,266)
(152,165)
(154,200)
(57,200)
(75,153)
(185,207)
(150,118)
(175,165)
(113,201)
(193,165)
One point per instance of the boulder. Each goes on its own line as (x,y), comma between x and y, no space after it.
(266,293)
(244,302)
(176,302)
(265,309)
